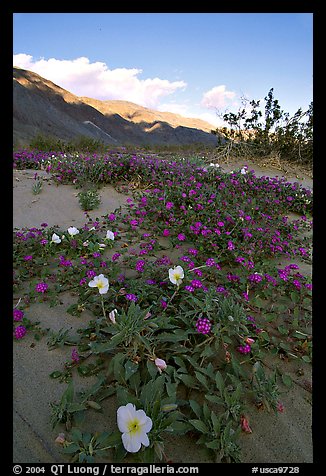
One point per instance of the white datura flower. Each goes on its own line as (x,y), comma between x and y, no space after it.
(110,235)
(134,426)
(101,283)
(73,231)
(176,275)
(55,238)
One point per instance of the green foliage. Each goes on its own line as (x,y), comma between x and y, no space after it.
(265,388)
(85,447)
(37,186)
(271,131)
(49,143)
(89,199)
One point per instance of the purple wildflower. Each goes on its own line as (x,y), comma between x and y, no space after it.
(115,256)
(18,314)
(41,287)
(210,262)
(244,349)
(131,297)
(74,355)
(140,265)
(255,278)
(203,325)
(20,332)
(190,289)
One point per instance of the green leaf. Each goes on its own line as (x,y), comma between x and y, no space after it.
(72,448)
(214,399)
(56,374)
(202,379)
(131,368)
(282,330)
(68,394)
(188,380)
(207,352)
(213,445)
(287,380)
(306,358)
(216,423)
(179,427)
(219,382)
(109,440)
(76,407)
(76,434)
(93,405)
(294,297)
(300,335)
(196,408)
(199,425)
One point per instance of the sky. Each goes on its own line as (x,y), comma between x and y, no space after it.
(194,64)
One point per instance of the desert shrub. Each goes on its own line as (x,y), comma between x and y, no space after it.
(53,144)
(47,143)
(256,133)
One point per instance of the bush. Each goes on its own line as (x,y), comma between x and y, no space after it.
(79,144)
(275,133)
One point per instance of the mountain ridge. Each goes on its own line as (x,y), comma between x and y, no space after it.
(42,107)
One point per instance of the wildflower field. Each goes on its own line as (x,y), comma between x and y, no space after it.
(197,298)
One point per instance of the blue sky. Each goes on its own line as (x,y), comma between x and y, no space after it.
(194,64)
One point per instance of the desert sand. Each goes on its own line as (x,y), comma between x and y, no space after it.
(276,438)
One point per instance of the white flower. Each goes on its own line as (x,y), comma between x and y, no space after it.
(109,235)
(102,245)
(134,426)
(176,275)
(73,231)
(100,282)
(244,170)
(55,238)
(160,364)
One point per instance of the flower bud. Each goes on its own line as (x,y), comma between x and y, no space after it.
(160,364)
(112,315)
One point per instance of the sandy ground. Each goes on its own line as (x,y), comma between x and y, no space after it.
(281,438)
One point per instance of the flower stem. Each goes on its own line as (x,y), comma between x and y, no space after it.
(103,308)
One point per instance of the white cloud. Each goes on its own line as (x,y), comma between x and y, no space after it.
(96,80)
(174,107)
(217,97)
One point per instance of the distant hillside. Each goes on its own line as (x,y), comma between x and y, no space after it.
(42,107)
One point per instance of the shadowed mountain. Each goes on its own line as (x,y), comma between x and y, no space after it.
(42,107)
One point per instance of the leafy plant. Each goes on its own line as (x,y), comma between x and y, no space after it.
(272,131)
(89,199)
(37,186)
(85,447)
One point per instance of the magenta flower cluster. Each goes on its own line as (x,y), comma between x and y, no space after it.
(203,325)
(41,287)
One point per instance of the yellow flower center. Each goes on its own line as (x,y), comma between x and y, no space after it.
(134,427)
